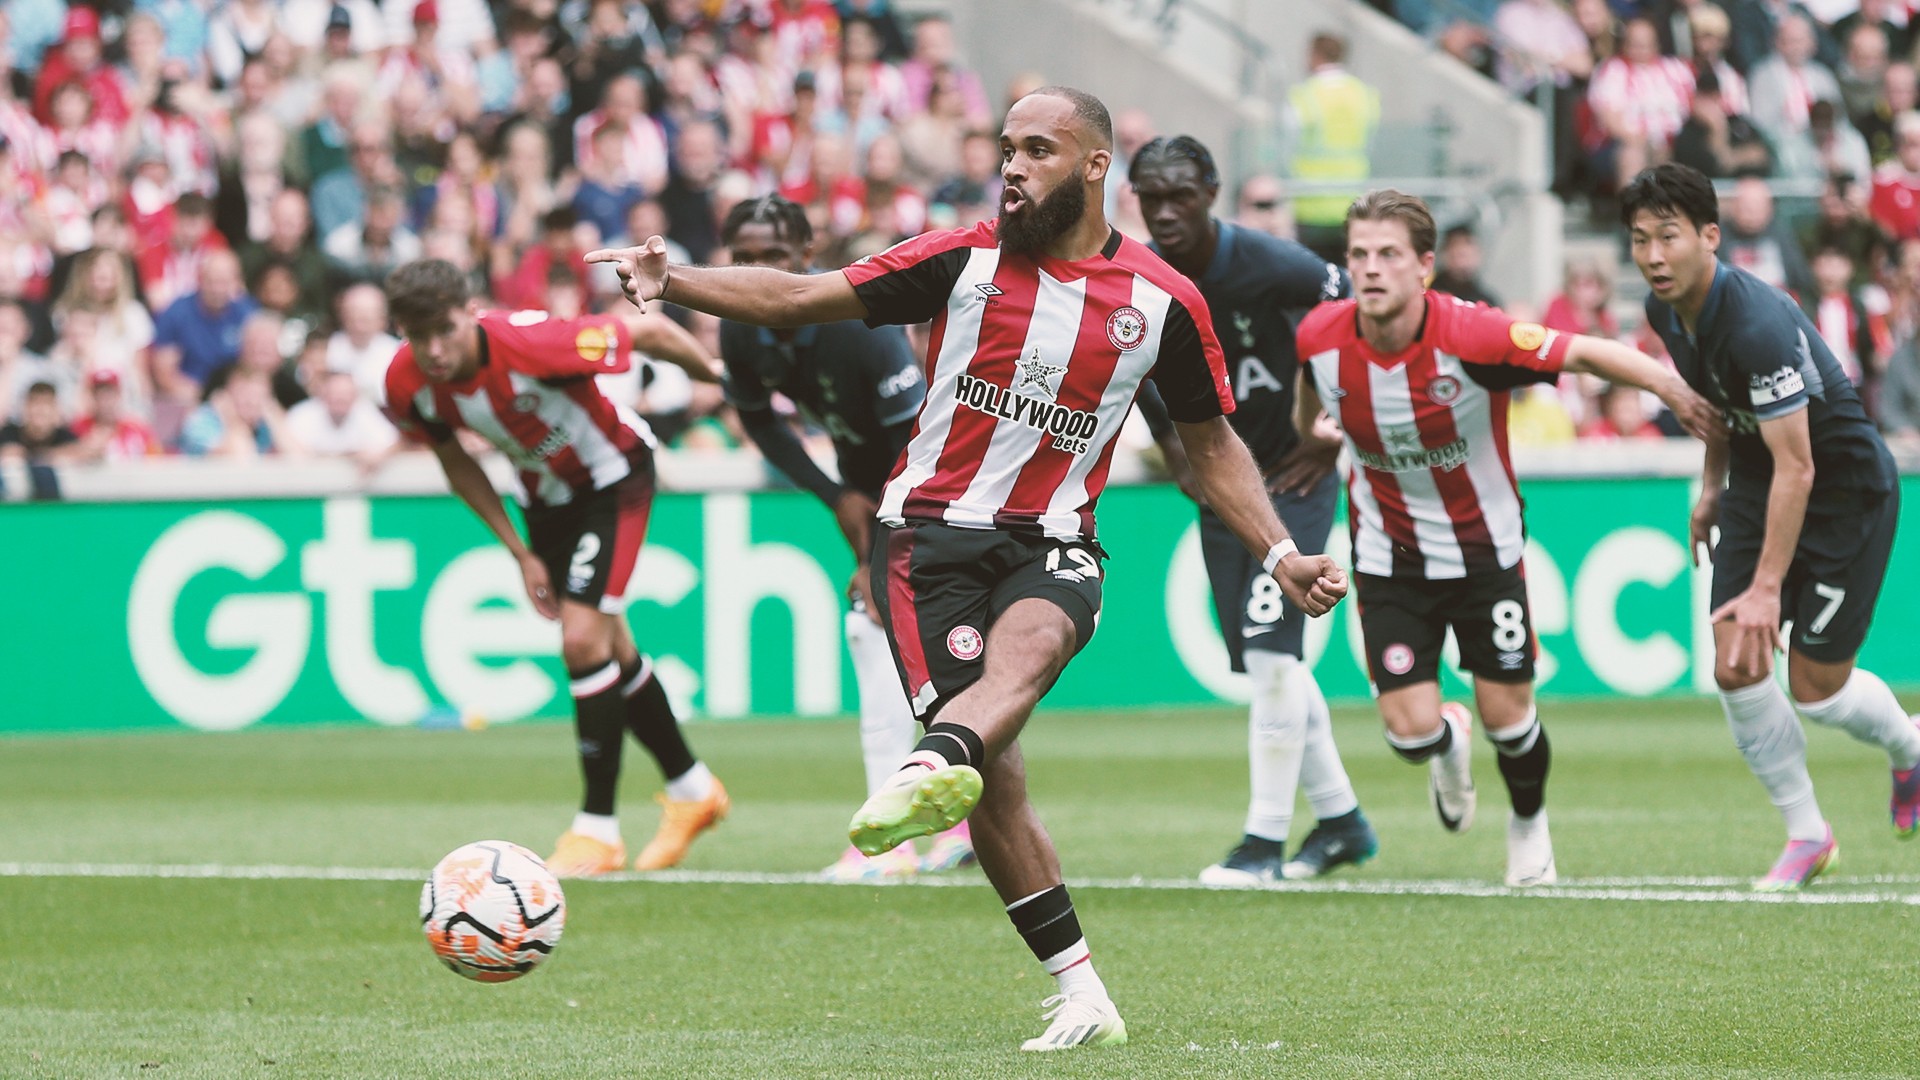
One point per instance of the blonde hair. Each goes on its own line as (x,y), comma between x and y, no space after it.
(1386,204)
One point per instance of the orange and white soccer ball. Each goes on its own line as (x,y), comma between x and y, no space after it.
(492,911)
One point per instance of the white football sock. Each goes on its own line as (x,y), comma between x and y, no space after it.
(602,827)
(1322,777)
(886,720)
(1867,710)
(1770,738)
(1276,740)
(696,783)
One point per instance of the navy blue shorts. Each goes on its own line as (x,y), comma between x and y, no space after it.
(1834,580)
(1252,612)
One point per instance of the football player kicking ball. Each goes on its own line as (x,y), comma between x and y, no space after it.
(1419,381)
(1257,286)
(525,383)
(864,388)
(1045,322)
(1806,499)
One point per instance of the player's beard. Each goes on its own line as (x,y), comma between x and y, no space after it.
(1045,221)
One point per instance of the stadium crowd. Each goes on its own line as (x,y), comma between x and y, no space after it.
(200,198)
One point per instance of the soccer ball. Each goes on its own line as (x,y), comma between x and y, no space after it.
(492,911)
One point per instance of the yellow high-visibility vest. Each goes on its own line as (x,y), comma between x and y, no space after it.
(1336,115)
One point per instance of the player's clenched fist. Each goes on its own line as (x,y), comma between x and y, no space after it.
(1315,583)
(642,270)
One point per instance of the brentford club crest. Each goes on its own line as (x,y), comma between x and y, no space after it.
(965,643)
(1443,390)
(1127,328)
(526,402)
(1397,659)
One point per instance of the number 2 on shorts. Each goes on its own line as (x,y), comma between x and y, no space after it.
(580,570)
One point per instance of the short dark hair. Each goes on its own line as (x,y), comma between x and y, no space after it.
(1671,189)
(43,389)
(788,218)
(1160,152)
(1462,231)
(1088,109)
(193,204)
(425,290)
(1386,204)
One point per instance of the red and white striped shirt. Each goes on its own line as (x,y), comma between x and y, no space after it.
(535,398)
(1432,493)
(1032,367)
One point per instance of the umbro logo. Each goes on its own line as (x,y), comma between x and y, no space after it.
(1338,393)
(989,290)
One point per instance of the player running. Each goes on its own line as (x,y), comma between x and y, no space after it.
(1044,324)
(863,386)
(1257,286)
(1419,381)
(1806,499)
(525,382)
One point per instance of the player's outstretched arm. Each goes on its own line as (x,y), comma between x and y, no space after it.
(748,294)
(1619,363)
(664,339)
(1230,482)
(469,481)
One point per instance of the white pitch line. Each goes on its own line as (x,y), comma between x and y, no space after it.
(1632,890)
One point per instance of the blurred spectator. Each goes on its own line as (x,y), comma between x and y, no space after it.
(338,422)
(1898,403)
(1543,46)
(1831,146)
(1639,101)
(325,145)
(371,249)
(934,53)
(1708,29)
(1899,93)
(973,194)
(109,432)
(1458,273)
(639,143)
(1862,74)
(1895,203)
(1843,222)
(240,419)
(1756,34)
(1879,13)
(1717,141)
(237,33)
(605,193)
(73,193)
(699,152)
(1585,303)
(1537,417)
(75,128)
(1848,322)
(525,185)
(170,269)
(933,140)
(252,181)
(289,242)
(439,65)
(362,347)
(522,282)
(80,59)
(1330,121)
(1623,416)
(339,197)
(118,332)
(1784,87)
(20,367)
(1753,239)
(41,433)
(355,26)
(1262,206)
(199,334)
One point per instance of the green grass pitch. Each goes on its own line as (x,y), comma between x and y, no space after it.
(147,976)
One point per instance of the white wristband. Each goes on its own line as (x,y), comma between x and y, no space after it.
(1276,553)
